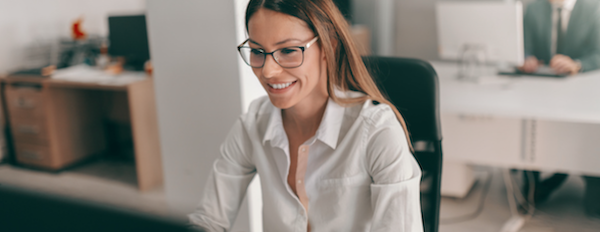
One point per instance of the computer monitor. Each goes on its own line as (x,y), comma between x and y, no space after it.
(128,38)
(495,27)
(26,210)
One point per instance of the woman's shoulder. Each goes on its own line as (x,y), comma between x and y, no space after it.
(259,104)
(376,113)
(259,108)
(371,111)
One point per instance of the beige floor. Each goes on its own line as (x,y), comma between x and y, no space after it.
(562,212)
(112,182)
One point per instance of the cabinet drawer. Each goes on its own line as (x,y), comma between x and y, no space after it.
(25,102)
(37,155)
(29,131)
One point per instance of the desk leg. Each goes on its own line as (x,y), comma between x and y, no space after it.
(145,134)
(516,221)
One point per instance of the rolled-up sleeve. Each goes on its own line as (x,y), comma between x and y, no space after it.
(226,186)
(396,175)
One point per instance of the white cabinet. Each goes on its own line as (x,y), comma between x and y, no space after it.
(565,147)
(515,143)
(522,143)
(481,139)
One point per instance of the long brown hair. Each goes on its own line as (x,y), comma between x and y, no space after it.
(345,67)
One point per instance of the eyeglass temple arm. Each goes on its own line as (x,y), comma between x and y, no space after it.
(239,46)
(312,41)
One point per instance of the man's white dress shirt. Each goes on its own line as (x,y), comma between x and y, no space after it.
(360,174)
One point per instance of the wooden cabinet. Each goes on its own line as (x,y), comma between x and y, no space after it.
(25,100)
(31,154)
(52,128)
(55,124)
(27,118)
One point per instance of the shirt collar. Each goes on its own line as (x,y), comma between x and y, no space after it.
(275,132)
(569,4)
(566,5)
(328,131)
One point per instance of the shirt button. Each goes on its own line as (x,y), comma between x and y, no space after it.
(303,149)
(299,181)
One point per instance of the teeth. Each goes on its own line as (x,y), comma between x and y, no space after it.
(281,86)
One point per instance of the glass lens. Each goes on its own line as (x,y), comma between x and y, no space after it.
(289,57)
(252,56)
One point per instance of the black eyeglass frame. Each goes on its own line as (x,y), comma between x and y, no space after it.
(303,48)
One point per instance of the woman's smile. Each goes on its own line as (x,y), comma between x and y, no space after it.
(280,87)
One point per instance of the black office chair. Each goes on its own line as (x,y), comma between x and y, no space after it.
(412,86)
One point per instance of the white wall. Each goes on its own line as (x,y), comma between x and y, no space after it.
(414,28)
(251,89)
(28,26)
(197,80)
(416,34)
(379,17)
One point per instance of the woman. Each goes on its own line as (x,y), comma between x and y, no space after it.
(329,159)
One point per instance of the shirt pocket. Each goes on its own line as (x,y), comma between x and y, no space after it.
(345,182)
(342,199)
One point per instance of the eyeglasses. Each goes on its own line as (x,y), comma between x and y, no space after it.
(288,57)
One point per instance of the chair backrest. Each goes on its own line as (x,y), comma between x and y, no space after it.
(412,86)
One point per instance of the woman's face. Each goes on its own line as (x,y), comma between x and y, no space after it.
(270,30)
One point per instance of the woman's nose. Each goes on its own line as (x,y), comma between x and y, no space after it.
(271,68)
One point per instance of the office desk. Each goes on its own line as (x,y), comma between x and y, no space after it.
(56,123)
(535,123)
(571,99)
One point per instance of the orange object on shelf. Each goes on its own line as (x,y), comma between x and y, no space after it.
(148,68)
(48,70)
(77,31)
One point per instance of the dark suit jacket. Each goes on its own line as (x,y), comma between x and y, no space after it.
(582,38)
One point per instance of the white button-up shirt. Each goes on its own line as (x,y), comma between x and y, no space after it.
(360,174)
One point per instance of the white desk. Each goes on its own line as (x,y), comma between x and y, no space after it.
(572,99)
(536,123)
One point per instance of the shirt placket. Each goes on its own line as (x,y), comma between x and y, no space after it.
(300,174)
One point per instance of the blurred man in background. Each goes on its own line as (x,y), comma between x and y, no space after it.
(564,34)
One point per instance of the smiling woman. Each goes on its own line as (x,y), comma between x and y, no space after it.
(332,153)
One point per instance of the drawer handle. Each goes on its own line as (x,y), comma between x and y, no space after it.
(31,155)
(25,103)
(27,129)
